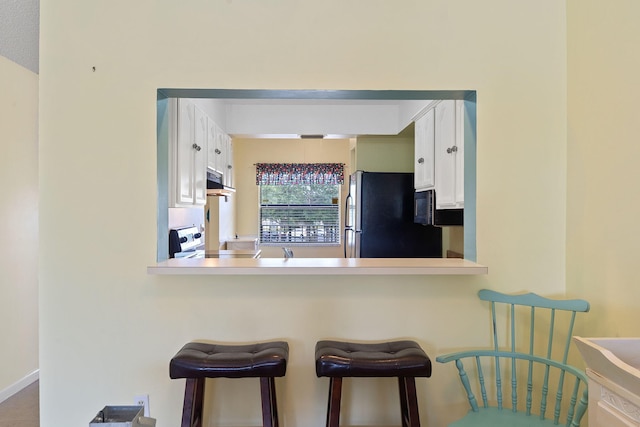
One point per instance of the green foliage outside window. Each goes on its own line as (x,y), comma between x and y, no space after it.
(300,214)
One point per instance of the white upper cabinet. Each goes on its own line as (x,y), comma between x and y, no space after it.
(217,158)
(188,155)
(449,154)
(228,167)
(220,153)
(460,119)
(424,174)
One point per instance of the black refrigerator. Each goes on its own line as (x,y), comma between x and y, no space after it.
(379,219)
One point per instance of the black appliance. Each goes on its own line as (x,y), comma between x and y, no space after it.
(423,207)
(425,212)
(215,187)
(379,219)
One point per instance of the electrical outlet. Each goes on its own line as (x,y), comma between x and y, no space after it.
(142,400)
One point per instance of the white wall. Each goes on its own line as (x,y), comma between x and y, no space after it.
(18,226)
(108,329)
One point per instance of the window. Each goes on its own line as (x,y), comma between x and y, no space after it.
(299,203)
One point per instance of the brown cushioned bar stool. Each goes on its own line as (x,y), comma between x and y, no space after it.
(198,361)
(403,359)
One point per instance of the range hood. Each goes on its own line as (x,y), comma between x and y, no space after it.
(215,186)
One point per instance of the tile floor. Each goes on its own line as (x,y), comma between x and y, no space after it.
(22,409)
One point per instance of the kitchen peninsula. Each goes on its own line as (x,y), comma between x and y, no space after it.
(317,266)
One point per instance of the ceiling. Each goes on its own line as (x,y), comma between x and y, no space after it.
(324,118)
(20,32)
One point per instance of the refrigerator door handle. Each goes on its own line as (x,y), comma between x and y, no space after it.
(344,240)
(347,227)
(346,211)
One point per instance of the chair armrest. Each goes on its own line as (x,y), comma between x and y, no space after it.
(450,357)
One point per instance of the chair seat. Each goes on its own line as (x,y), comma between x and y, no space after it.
(388,359)
(494,417)
(202,360)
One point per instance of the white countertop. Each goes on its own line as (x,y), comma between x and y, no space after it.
(244,239)
(226,253)
(317,266)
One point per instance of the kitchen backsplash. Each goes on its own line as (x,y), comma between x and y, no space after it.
(179,217)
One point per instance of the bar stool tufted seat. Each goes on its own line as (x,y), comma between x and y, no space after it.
(197,361)
(402,359)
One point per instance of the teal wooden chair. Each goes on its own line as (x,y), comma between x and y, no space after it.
(526,380)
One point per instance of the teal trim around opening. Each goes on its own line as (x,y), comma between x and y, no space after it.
(403,95)
(470,142)
(470,150)
(163,177)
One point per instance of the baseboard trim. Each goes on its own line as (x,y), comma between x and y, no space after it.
(19,385)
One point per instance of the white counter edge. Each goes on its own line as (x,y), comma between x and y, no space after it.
(318,266)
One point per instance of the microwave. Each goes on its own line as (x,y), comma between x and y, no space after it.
(425,212)
(215,187)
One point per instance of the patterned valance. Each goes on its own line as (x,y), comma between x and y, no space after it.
(299,173)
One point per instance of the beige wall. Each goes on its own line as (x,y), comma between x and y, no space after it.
(247,152)
(603,208)
(108,329)
(385,153)
(18,226)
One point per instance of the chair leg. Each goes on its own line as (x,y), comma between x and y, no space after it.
(269,402)
(193,400)
(335,394)
(409,402)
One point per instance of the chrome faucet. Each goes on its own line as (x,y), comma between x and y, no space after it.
(288,253)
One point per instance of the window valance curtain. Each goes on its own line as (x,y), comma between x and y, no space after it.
(299,173)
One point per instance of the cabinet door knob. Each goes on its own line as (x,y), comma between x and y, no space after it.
(196,147)
(452,149)
(218,151)
(421,160)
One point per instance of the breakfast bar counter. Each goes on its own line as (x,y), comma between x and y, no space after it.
(317,266)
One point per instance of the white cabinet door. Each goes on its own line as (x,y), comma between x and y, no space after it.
(211,144)
(228,169)
(184,178)
(459,154)
(217,155)
(424,174)
(189,161)
(445,139)
(449,154)
(200,158)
